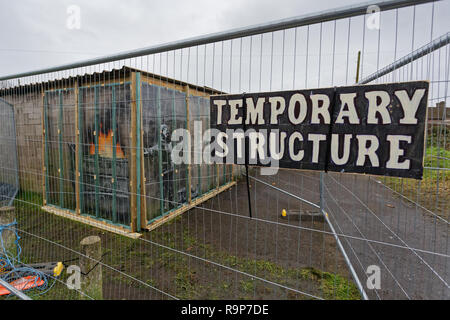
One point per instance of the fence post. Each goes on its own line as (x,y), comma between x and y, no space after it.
(321,191)
(336,237)
(77,148)
(7,217)
(133,154)
(189,173)
(91,269)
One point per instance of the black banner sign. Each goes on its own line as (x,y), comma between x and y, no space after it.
(373,129)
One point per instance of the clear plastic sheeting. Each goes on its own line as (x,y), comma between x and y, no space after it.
(167,184)
(104,113)
(9,173)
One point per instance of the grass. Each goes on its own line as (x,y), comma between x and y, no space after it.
(437,158)
(179,274)
(333,286)
(433,191)
(189,286)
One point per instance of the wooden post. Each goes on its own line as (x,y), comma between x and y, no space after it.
(44,169)
(188,191)
(143,179)
(77,151)
(7,217)
(218,176)
(91,269)
(139,151)
(133,146)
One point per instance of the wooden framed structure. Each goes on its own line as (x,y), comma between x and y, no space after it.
(106,148)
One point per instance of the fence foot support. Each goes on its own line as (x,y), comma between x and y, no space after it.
(303,215)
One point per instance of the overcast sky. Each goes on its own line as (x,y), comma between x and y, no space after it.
(34,34)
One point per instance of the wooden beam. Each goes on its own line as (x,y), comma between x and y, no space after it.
(189,195)
(139,151)
(156,223)
(143,180)
(217,174)
(77,151)
(175,86)
(44,169)
(132,155)
(91,222)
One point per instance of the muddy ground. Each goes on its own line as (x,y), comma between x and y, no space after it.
(212,252)
(216,251)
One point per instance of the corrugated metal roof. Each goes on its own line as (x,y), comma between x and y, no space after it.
(89,78)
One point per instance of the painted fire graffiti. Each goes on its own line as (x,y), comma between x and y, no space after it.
(105,145)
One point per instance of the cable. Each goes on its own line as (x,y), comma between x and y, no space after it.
(23,277)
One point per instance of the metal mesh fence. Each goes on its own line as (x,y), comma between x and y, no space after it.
(184,231)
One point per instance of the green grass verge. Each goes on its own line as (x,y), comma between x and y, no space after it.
(433,191)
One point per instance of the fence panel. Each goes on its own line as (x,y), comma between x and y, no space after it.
(185,230)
